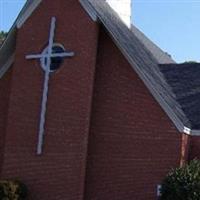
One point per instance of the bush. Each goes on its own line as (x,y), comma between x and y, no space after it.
(182,183)
(12,190)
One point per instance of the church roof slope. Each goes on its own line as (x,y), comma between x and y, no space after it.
(185,83)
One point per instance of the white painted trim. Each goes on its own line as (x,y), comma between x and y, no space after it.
(195,132)
(47,53)
(159,187)
(7,65)
(64,54)
(22,19)
(45,85)
(187,130)
(191,132)
(45,88)
(89,9)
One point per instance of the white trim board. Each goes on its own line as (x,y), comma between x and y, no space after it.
(7,65)
(35,3)
(48,54)
(22,19)
(87,7)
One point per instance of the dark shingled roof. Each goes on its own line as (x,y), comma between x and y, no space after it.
(184,80)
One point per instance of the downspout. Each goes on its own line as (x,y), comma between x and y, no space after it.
(185,149)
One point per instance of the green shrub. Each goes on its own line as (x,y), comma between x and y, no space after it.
(12,190)
(182,183)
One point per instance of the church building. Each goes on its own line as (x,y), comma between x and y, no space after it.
(90,108)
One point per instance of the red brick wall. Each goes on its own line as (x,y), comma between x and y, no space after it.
(132,143)
(59,172)
(4,99)
(194,151)
(185,149)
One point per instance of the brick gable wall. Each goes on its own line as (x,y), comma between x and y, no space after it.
(194,151)
(59,172)
(132,143)
(5,83)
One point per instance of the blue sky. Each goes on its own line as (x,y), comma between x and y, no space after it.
(9,9)
(174,25)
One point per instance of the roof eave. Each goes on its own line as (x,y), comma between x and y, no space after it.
(7,50)
(28,9)
(191,132)
(88,8)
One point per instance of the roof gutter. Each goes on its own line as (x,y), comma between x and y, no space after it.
(192,132)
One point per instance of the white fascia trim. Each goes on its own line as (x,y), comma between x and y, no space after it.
(35,4)
(87,7)
(7,65)
(27,13)
(195,132)
(191,132)
(187,130)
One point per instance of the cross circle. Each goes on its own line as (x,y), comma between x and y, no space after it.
(43,59)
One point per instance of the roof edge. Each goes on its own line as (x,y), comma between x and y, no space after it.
(27,13)
(191,132)
(87,7)
(7,65)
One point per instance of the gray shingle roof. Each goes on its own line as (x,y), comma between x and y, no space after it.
(184,80)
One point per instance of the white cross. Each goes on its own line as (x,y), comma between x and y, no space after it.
(48,55)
